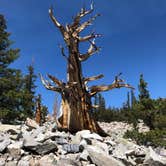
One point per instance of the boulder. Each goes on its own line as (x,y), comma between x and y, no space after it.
(11,163)
(100,145)
(84,155)
(15,150)
(2,161)
(102,159)
(79,135)
(60,140)
(4,142)
(11,129)
(31,123)
(29,141)
(71,148)
(154,159)
(142,128)
(126,148)
(48,160)
(41,148)
(25,161)
(67,162)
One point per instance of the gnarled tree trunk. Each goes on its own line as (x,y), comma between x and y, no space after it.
(76,95)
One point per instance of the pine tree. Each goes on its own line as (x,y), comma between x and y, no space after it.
(101,102)
(143,92)
(128,100)
(29,93)
(133,98)
(10,79)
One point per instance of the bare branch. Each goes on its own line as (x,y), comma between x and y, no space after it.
(86,38)
(93,78)
(84,12)
(48,85)
(81,14)
(55,80)
(92,50)
(85,24)
(56,23)
(117,83)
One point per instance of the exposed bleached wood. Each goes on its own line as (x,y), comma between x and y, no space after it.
(48,85)
(55,21)
(85,12)
(93,78)
(85,24)
(102,88)
(86,38)
(55,80)
(92,50)
(81,14)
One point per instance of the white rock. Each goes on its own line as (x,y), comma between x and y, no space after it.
(11,163)
(7,128)
(4,143)
(48,160)
(110,142)
(142,128)
(79,135)
(84,155)
(29,141)
(15,149)
(154,159)
(100,145)
(92,136)
(31,123)
(101,159)
(25,161)
(2,161)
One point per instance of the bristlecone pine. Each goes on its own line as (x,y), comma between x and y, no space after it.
(76,95)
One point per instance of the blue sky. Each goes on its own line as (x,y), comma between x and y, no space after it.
(133,42)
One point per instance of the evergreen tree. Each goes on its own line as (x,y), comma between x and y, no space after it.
(10,79)
(101,102)
(143,92)
(128,100)
(29,93)
(98,113)
(133,98)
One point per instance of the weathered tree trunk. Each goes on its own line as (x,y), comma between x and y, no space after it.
(38,111)
(76,96)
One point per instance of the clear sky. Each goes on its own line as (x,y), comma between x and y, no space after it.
(133,42)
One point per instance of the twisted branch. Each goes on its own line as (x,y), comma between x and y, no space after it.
(48,85)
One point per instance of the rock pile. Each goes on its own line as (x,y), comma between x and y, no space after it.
(32,145)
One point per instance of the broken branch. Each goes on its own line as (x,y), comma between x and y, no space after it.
(48,85)
(102,88)
(93,78)
(55,80)
(81,14)
(56,23)
(92,50)
(86,38)
(85,24)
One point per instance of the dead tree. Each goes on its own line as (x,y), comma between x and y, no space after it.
(76,95)
(38,110)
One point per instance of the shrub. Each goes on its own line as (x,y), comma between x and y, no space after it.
(153,137)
